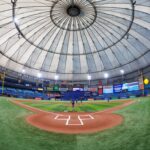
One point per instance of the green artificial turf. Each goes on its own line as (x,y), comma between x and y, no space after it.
(133,134)
(66,106)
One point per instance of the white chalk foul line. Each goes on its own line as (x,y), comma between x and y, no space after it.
(67,122)
(57,117)
(75,124)
(27,106)
(68,119)
(90,117)
(80,120)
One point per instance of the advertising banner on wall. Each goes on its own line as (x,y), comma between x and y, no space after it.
(56,88)
(77,89)
(134,86)
(125,87)
(92,89)
(63,89)
(100,88)
(117,88)
(49,89)
(141,83)
(107,89)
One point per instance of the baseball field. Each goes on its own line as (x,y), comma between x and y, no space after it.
(16,133)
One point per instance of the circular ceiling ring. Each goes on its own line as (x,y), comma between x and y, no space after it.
(78,14)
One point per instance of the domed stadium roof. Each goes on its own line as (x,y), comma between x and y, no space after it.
(74,38)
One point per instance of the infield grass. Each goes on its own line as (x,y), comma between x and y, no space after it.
(67,106)
(132,134)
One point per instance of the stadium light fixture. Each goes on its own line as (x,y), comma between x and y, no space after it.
(106,75)
(16,20)
(23,71)
(56,77)
(39,75)
(89,77)
(122,71)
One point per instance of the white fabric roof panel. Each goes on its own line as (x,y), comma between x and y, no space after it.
(74,38)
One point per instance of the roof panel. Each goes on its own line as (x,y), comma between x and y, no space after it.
(74,38)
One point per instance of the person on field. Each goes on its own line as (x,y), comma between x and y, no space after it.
(76,100)
(108,99)
(81,99)
(73,104)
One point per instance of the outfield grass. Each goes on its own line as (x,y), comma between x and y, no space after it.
(133,134)
(66,106)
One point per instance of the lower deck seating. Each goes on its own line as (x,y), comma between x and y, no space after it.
(71,95)
(19,93)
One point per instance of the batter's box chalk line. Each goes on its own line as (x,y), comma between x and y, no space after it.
(80,119)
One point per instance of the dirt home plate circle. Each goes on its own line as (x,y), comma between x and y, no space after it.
(74,122)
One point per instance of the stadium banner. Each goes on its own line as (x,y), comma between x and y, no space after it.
(100,87)
(141,83)
(100,90)
(49,89)
(107,89)
(78,89)
(40,89)
(56,88)
(117,88)
(134,86)
(125,87)
(94,94)
(92,89)
(63,89)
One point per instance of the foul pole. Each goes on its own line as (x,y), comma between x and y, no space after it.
(3,83)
